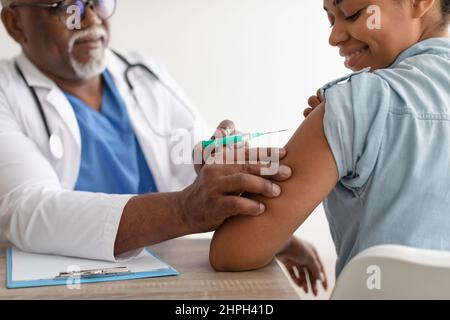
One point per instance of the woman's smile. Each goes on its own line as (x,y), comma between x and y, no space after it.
(353,56)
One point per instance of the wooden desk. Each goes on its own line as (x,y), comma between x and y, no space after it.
(197,280)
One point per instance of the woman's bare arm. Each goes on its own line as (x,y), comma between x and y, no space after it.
(248,243)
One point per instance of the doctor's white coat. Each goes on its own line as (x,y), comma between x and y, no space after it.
(39,211)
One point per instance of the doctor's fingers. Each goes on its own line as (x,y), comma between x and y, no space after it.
(246,183)
(272,171)
(265,154)
(225,128)
(249,155)
(235,205)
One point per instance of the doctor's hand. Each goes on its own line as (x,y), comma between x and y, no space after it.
(313,102)
(303,262)
(216,194)
(241,151)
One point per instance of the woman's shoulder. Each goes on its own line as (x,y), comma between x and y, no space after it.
(357,87)
(417,85)
(361,93)
(425,67)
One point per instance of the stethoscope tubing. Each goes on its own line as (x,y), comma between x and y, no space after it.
(55,143)
(36,99)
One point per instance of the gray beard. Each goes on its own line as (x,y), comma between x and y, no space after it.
(95,66)
(97,62)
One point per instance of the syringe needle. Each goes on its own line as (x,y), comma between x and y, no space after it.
(273,132)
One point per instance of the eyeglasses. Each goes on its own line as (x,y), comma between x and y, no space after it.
(104,9)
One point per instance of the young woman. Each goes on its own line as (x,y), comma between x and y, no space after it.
(376,151)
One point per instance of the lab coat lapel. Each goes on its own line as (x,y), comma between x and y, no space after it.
(61,119)
(61,104)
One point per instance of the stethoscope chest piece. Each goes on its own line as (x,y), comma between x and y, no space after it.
(56,146)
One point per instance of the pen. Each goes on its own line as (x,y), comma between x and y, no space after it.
(236,139)
(95,273)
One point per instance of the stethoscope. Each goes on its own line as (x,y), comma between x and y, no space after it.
(54,140)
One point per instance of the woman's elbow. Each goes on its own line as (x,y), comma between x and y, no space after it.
(235,259)
(224,263)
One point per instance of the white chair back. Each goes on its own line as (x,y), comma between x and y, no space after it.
(395,272)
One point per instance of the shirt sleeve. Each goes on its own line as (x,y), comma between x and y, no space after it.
(354,124)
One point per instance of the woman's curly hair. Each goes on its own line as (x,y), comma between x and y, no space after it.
(446,7)
(445,12)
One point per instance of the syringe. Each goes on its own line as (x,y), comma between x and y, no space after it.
(236,139)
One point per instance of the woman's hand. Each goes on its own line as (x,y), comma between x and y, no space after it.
(313,102)
(303,262)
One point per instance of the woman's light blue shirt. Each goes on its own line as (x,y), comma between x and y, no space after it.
(389,132)
(112,160)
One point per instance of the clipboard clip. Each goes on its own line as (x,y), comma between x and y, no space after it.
(108,272)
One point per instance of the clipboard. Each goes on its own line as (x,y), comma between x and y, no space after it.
(27,270)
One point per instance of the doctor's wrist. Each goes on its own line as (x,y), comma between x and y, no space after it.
(180,213)
(150,219)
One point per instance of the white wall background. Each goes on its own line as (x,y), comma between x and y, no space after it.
(253,61)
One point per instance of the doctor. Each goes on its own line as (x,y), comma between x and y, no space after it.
(85,147)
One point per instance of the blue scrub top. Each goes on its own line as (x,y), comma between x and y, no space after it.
(112,160)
